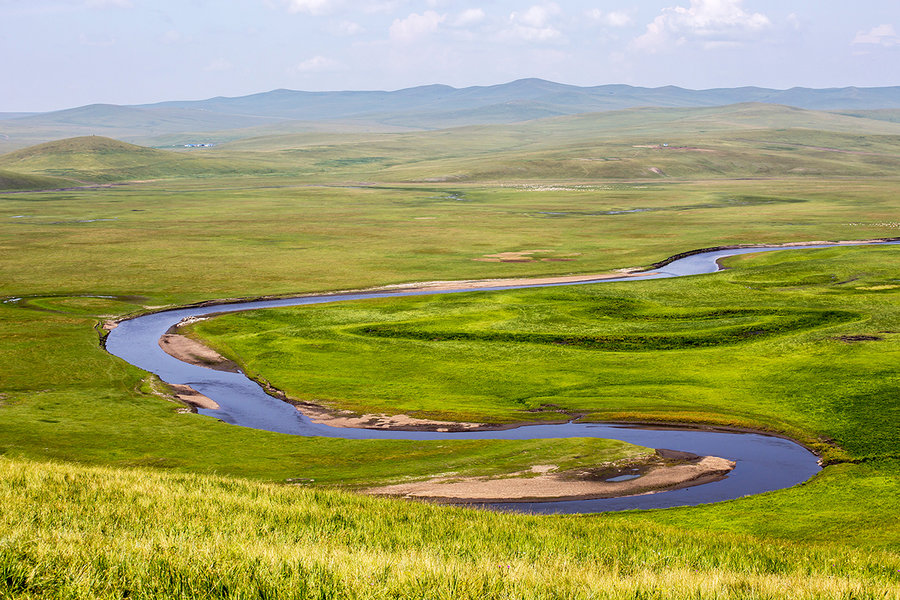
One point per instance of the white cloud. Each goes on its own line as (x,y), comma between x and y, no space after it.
(312,7)
(387,6)
(617,18)
(882,35)
(536,16)
(469,17)
(349,28)
(416,26)
(712,22)
(535,23)
(108,3)
(316,64)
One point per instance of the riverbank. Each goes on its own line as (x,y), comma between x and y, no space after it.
(492,283)
(542,483)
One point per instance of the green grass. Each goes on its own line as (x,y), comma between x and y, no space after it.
(10,181)
(72,407)
(743,140)
(754,346)
(182,241)
(108,488)
(80,532)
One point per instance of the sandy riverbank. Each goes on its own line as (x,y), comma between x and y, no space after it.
(193,352)
(542,483)
(192,397)
(342,418)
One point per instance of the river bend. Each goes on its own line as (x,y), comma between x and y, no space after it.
(764,463)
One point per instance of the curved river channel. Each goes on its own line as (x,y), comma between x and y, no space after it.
(764,463)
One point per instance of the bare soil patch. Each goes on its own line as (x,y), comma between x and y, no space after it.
(655,474)
(183,394)
(341,418)
(666,147)
(192,397)
(478,284)
(193,352)
(527,256)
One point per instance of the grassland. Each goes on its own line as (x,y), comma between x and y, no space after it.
(742,140)
(183,241)
(764,346)
(94,159)
(76,423)
(109,533)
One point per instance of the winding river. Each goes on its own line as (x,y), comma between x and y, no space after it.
(764,463)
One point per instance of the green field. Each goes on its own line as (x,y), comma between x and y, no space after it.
(763,344)
(110,489)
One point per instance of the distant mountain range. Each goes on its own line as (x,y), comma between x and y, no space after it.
(418,108)
(528,95)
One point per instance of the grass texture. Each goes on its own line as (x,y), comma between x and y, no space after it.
(79,532)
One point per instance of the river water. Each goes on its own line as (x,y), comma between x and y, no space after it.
(764,463)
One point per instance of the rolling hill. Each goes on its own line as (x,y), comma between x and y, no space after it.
(11,181)
(419,108)
(741,140)
(523,97)
(733,141)
(97,159)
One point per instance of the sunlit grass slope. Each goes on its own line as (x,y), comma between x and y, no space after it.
(80,532)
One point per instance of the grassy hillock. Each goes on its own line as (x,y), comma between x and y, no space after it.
(101,159)
(11,181)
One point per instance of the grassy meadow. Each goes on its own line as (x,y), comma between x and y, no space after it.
(92,532)
(766,343)
(110,489)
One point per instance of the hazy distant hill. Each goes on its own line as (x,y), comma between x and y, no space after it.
(14,115)
(425,107)
(524,95)
(124,122)
(741,140)
(884,114)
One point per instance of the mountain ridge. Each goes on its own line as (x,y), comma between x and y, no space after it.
(426,107)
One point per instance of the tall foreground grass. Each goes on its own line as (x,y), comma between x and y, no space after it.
(85,532)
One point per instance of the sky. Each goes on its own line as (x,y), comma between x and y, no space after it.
(65,53)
